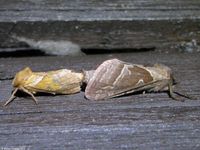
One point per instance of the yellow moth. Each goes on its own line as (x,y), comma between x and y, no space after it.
(62,81)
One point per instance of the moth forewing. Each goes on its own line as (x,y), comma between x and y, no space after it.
(146,87)
(114,77)
(56,82)
(61,81)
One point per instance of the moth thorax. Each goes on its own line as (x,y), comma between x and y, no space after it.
(21,77)
(166,71)
(159,72)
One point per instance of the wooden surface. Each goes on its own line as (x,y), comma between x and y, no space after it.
(114,24)
(44,10)
(150,121)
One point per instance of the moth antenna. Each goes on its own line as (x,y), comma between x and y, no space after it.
(29,93)
(185,95)
(12,97)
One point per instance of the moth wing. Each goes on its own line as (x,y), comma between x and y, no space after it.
(32,81)
(56,82)
(114,77)
(146,87)
(153,86)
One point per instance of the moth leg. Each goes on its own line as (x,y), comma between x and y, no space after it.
(171,92)
(12,97)
(29,93)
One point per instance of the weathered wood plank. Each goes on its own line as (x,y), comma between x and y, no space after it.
(107,137)
(150,121)
(31,10)
(102,25)
(106,34)
(177,62)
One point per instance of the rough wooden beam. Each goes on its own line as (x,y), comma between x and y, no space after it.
(30,10)
(121,24)
(150,121)
(105,34)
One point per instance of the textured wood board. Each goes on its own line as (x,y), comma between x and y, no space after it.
(110,35)
(150,121)
(30,10)
(101,24)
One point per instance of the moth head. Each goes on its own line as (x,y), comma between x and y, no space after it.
(21,77)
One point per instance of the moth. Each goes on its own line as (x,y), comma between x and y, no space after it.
(115,78)
(61,81)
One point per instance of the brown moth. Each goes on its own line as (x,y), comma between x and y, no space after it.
(61,81)
(116,78)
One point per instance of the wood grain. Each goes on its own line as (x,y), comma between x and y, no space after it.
(119,24)
(31,10)
(150,121)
